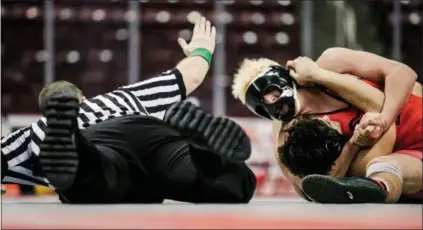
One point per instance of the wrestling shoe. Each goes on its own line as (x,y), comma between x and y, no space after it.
(348,190)
(221,135)
(58,155)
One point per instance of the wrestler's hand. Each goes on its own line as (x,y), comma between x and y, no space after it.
(374,119)
(364,137)
(203,36)
(304,70)
(369,130)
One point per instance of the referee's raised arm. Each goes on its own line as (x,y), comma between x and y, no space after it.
(157,94)
(199,54)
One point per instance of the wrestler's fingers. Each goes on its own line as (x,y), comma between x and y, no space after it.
(290,64)
(361,132)
(376,133)
(375,122)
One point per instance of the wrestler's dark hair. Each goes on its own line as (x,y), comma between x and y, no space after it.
(57,87)
(311,147)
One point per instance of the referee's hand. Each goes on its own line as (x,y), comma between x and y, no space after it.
(203,36)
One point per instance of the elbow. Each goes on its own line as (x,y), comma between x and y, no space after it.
(407,73)
(412,75)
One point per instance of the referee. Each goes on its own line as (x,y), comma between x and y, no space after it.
(20,150)
(191,157)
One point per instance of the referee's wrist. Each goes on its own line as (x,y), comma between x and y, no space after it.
(204,53)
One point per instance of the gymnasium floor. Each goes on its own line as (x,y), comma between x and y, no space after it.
(45,213)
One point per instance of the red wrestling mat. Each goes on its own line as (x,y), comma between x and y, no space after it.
(275,214)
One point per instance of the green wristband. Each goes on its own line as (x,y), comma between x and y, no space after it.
(204,53)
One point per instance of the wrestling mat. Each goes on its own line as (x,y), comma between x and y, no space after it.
(292,213)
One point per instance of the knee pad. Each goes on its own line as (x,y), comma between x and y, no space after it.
(379,167)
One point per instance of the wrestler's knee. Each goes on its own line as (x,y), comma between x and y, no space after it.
(385,164)
(405,163)
(406,167)
(382,159)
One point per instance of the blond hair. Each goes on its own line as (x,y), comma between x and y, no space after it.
(246,73)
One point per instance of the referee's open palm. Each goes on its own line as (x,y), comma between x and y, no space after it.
(203,36)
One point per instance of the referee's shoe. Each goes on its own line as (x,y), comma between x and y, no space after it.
(218,134)
(58,154)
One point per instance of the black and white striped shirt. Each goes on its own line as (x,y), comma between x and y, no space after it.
(150,97)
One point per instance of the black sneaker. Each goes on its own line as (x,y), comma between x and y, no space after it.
(221,135)
(58,155)
(327,189)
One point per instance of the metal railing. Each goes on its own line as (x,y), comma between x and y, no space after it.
(346,26)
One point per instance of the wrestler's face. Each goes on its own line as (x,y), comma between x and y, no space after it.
(272,96)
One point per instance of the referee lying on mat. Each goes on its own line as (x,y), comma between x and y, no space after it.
(26,153)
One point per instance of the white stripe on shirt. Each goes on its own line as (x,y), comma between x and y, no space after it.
(121,107)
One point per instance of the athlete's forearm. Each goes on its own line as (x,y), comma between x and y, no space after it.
(193,69)
(352,89)
(398,86)
(342,164)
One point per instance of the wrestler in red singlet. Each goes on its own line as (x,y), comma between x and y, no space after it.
(409,139)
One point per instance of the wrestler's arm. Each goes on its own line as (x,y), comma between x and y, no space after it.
(397,77)
(364,96)
(293,180)
(354,159)
(384,146)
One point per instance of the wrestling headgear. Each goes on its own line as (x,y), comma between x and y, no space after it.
(273,78)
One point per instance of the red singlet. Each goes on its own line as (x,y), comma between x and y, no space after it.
(408,123)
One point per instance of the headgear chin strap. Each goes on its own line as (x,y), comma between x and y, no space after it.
(273,78)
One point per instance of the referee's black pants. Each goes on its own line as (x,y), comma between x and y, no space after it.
(138,159)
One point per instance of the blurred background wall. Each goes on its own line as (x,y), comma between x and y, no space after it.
(102,44)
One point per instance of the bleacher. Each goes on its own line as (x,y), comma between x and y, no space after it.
(412,30)
(91,43)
